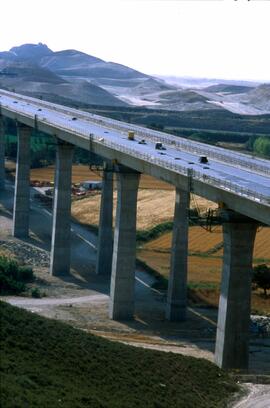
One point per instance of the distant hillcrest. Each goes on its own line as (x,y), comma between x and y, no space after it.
(71,75)
(34,68)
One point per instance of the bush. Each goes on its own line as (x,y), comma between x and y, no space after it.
(26,274)
(13,277)
(262,146)
(35,293)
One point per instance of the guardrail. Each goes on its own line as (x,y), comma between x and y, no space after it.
(176,167)
(215,153)
(161,162)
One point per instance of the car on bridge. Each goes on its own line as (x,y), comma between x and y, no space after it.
(203,159)
(159,146)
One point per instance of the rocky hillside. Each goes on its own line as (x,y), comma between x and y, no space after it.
(72,75)
(27,69)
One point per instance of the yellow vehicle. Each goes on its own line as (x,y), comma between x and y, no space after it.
(131,135)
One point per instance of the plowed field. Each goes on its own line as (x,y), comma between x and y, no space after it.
(209,243)
(204,269)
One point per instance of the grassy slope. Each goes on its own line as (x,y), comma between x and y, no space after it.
(45,363)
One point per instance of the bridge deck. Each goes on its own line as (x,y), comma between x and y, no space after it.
(240,174)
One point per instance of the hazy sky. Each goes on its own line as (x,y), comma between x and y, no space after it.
(203,38)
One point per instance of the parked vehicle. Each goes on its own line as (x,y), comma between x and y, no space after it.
(92,185)
(79,191)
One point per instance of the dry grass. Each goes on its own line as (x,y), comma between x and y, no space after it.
(202,241)
(200,269)
(205,270)
(154,207)
(155,199)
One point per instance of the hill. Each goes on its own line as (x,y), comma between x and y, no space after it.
(259,97)
(231,89)
(46,363)
(32,52)
(29,78)
(76,63)
(122,85)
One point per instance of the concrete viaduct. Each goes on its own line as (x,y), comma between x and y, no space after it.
(241,183)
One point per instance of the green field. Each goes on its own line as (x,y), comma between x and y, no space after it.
(49,364)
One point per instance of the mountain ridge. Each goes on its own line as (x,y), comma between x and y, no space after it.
(78,76)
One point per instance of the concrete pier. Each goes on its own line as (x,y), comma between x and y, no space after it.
(21,207)
(105,234)
(232,341)
(60,249)
(2,154)
(177,289)
(124,249)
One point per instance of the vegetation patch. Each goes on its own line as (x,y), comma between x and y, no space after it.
(155,232)
(45,363)
(13,278)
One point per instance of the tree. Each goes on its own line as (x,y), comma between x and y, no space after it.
(261,277)
(262,145)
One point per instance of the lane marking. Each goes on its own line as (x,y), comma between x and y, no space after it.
(148,286)
(202,316)
(84,239)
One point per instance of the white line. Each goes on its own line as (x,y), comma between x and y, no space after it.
(148,286)
(84,239)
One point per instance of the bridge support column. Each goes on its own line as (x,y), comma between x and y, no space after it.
(60,249)
(21,207)
(2,153)
(124,249)
(177,289)
(232,340)
(105,235)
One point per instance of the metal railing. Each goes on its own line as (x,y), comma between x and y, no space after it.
(218,154)
(147,157)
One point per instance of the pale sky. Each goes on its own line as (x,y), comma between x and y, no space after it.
(199,38)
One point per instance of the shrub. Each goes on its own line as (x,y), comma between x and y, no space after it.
(35,293)
(26,274)
(13,277)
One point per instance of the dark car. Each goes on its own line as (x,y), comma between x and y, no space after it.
(203,159)
(159,146)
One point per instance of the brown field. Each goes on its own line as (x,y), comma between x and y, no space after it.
(155,198)
(148,214)
(202,241)
(154,207)
(205,269)
(200,269)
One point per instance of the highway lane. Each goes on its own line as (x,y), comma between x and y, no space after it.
(39,106)
(227,174)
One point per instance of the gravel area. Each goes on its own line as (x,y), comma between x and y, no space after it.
(26,253)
